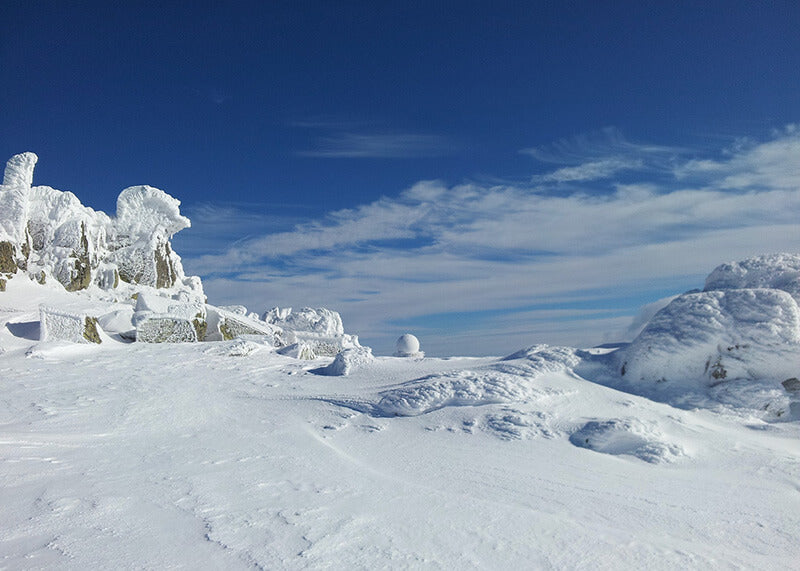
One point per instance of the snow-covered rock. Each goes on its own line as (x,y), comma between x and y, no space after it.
(309,320)
(311,333)
(346,361)
(165,329)
(774,271)
(160,319)
(58,325)
(48,233)
(224,324)
(745,326)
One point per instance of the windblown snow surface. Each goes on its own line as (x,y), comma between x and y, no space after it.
(228,455)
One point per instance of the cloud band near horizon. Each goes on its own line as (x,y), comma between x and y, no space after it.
(479,269)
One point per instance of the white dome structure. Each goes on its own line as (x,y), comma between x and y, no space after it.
(408,346)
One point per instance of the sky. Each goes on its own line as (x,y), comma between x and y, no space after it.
(485,175)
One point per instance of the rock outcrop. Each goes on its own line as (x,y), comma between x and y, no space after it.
(48,233)
(744,326)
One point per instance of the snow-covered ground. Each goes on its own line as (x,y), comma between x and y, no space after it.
(228,455)
(281,442)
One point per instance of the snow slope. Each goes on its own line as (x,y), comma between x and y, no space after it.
(230,455)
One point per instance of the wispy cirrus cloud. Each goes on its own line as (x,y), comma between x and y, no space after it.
(472,266)
(379,145)
(600,155)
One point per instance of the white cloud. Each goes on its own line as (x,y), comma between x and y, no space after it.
(371,145)
(501,249)
(591,170)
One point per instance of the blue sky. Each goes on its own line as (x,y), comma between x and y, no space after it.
(485,175)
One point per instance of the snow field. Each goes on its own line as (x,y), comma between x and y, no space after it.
(243,458)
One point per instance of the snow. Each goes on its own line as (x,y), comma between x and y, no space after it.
(320,320)
(54,236)
(774,271)
(346,361)
(282,443)
(114,457)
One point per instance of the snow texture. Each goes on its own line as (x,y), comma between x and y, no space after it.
(628,436)
(775,271)
(511,380)
(321,321)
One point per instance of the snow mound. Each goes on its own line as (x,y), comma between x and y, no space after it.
(511,380)
(541,358)
(513,424)
(716,336)
(774,271)
(630,436)
(458,388)
(346,361)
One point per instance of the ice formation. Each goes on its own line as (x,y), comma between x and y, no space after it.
(311,333)
(744,326)
(49,234)
(321,321)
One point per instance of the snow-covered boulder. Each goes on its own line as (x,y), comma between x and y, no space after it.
(774,271)
(224,324)
(311,333)
(308,320)
(146,220)
(49,233)
(58,325)
(160,319)
(346,361)
(165,329)
(728,332)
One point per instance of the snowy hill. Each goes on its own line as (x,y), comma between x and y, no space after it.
(281,442)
